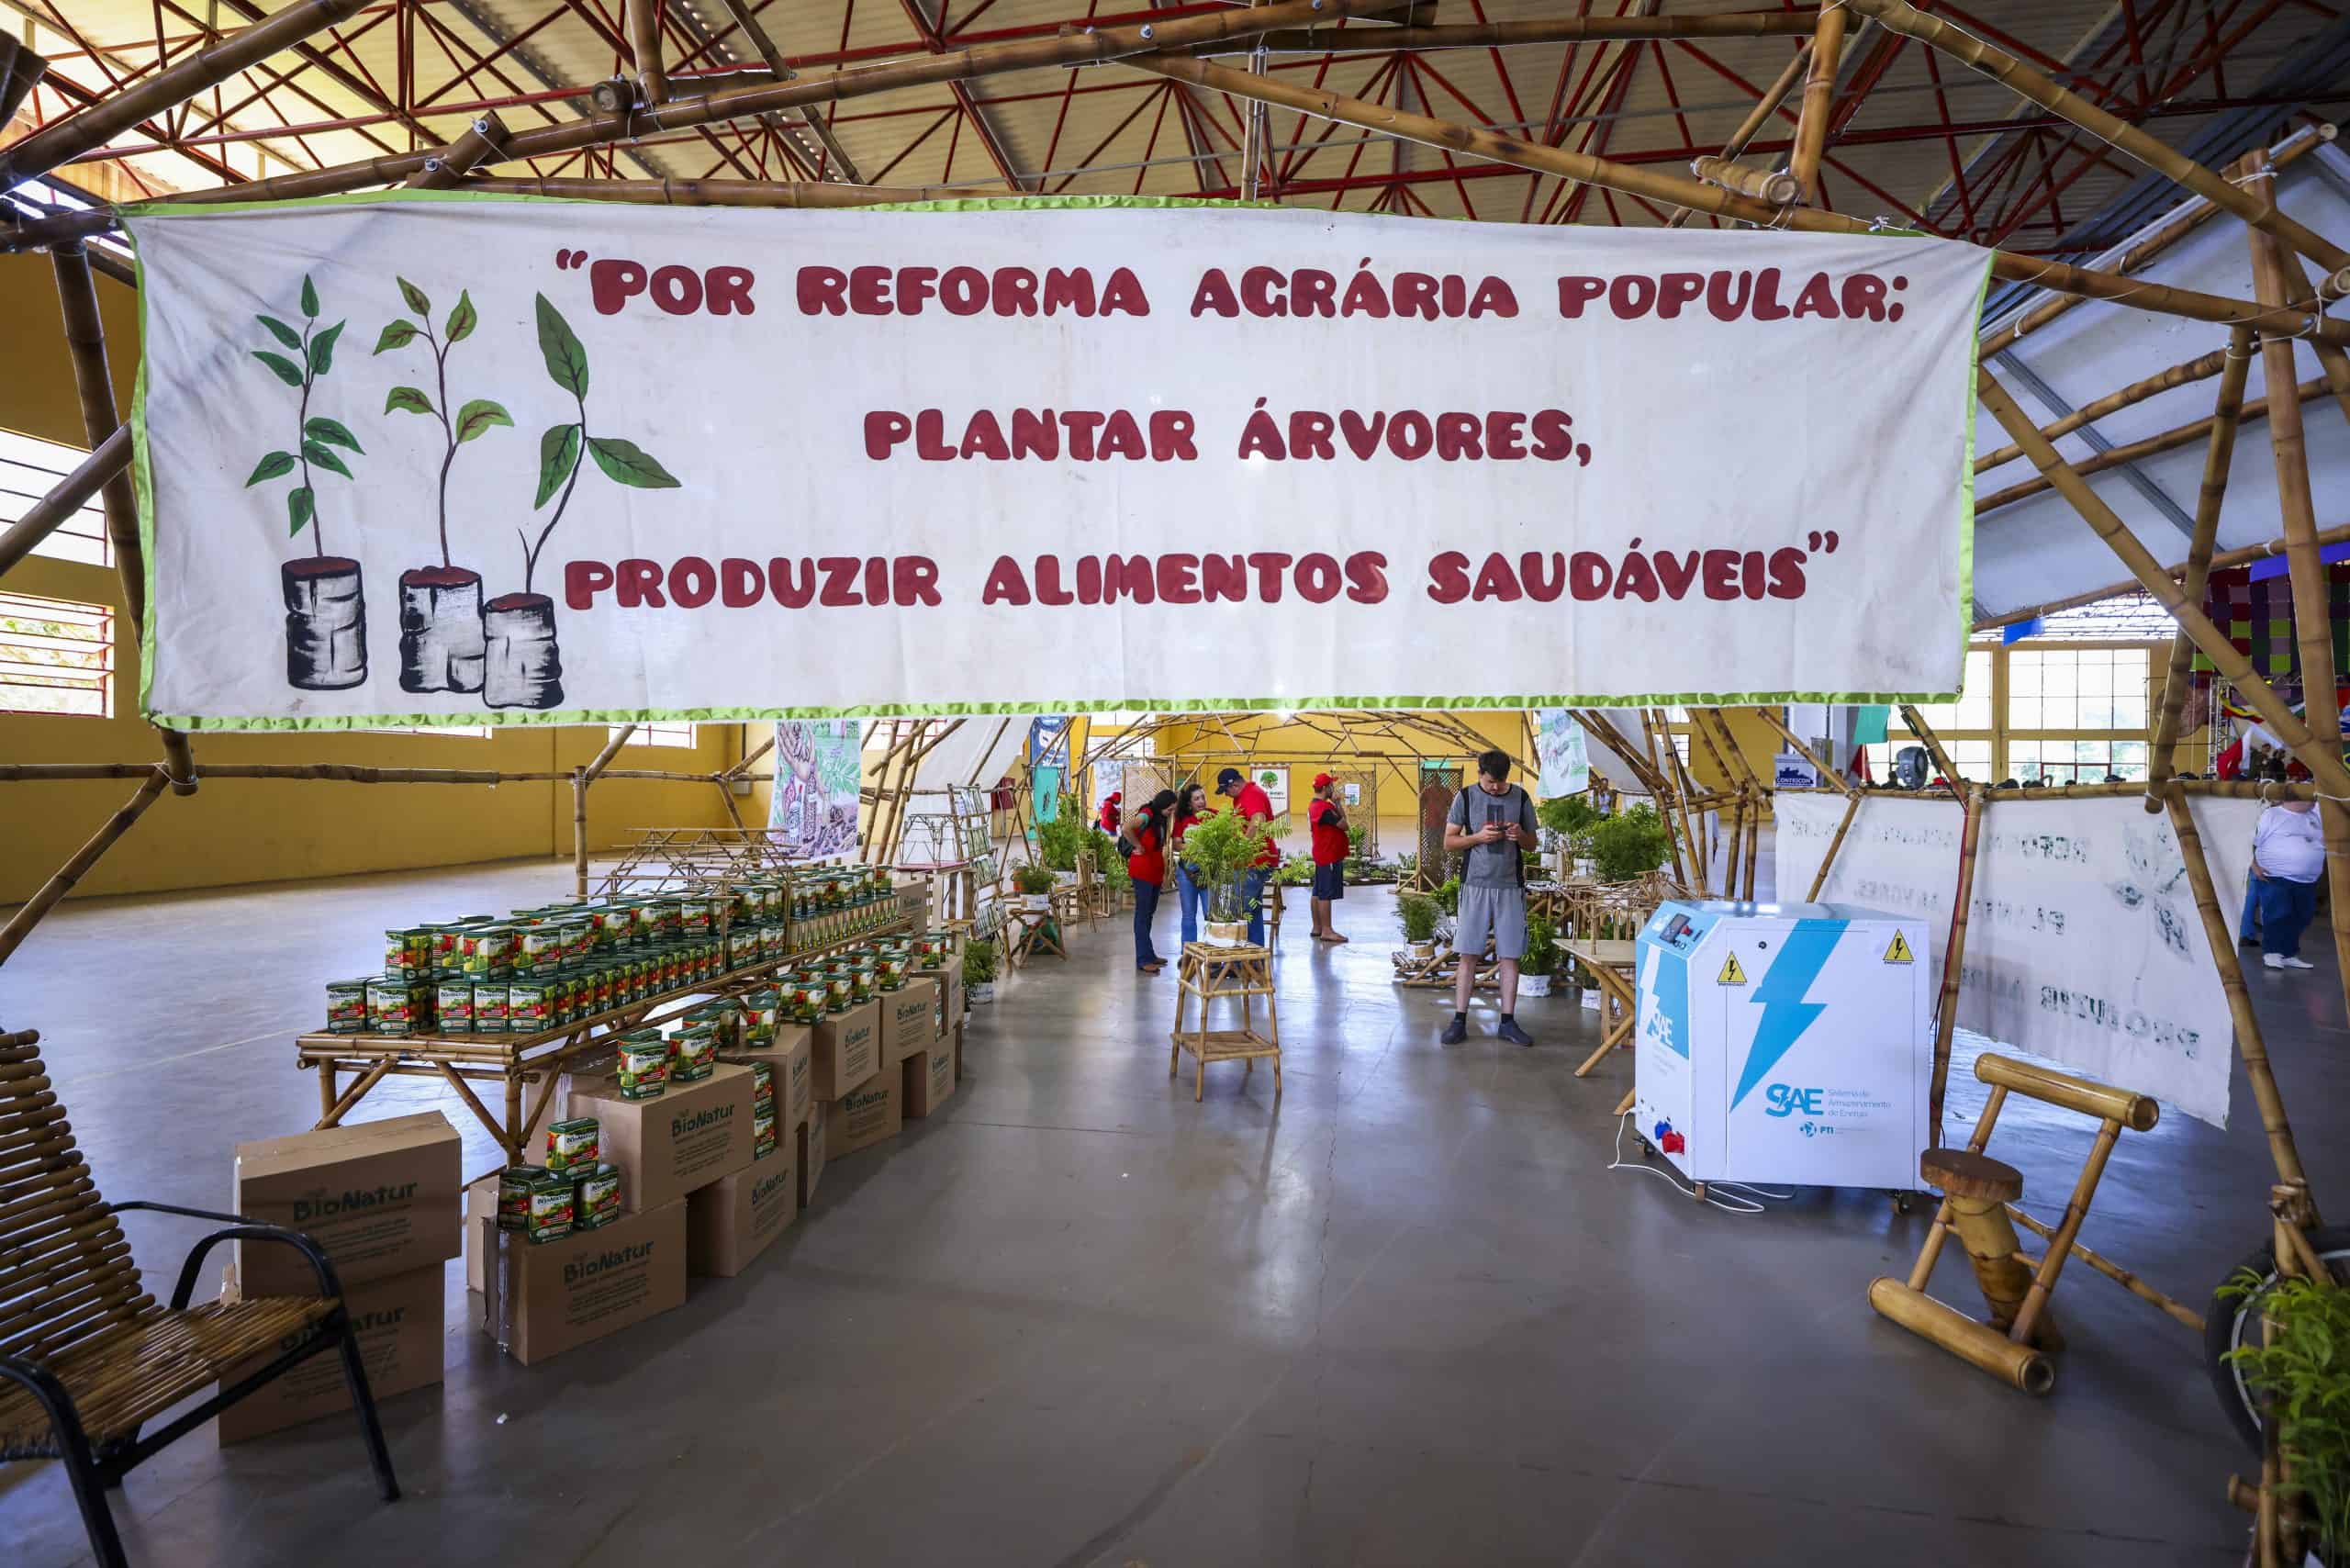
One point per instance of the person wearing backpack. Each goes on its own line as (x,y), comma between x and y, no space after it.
(1145,841)
(1492,826)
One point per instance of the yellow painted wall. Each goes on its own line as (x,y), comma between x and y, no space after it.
(255,831)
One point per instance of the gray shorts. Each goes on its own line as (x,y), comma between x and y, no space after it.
(1498,913)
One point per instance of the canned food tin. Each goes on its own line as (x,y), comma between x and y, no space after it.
(763,1141)
(347,1007)
(407,949)
(487,951)
(837,993)
(893,968)
(528,1007)
(762,1083)
(615,924)
(862,981)
(742,946)
(762,1011)
(578,937)
(550,1213)
(574,1146)
(697,1052)
(644,1067)
(489,1006)
(596,1197)
(452,1006)
(514,1184)
(694,915)
(537,950)
(391,1005)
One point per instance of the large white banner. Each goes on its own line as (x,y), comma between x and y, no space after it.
(464,458)
(2083,946)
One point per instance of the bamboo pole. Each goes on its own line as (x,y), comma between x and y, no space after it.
(611,749)
(2200,368)
(2180,224)
(2325,763)
(21,924)
(747,102)
(1818,101)
(2114,1271)
(2241,555)
(645,50)
(579,831)
(1756,118)
(2149,446)
(716,193)
(2312,602)
(2251,1045)
(2334,363)
(1826,774)
(1953,960)
(1762,185)
(69,496)
(2217,457)
(1660,187)
(1902,18)
(1557,29)
(1977,1344)
(1925,733)
(85,339)
(482,141)
(1753,834)
(65,139)
(1819,878)
(2068,1229)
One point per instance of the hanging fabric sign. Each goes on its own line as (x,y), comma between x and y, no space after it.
(1562,766)
(818,766)
(2082,945)
(440,457)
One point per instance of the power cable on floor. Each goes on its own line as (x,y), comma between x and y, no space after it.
(1743,1197)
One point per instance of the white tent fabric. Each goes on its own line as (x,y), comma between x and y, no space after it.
(980,752)
(2038,550)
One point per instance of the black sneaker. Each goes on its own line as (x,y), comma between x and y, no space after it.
(1454,1032)
(1510,1031)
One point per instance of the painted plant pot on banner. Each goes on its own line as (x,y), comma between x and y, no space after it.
(326,602)
(523,664)
(442,646)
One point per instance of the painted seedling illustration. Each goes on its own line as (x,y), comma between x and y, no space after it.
(326,605)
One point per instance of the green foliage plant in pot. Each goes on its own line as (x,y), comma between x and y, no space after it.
(979,972)
(1630,844)
(1573,818)
(2302,1371)
(1417,913)
(1218,850)
(1534,969)
(326,602)
(1059,841)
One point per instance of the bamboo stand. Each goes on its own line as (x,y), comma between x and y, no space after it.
(1210,974)
(1609,963)
(1031,934)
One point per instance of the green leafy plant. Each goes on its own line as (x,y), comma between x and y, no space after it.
(317,436)
(1294,872)
(1418,913)
(1219,849)
(1567,815)
(1059,840)
(1448,895)
(979,963)
(1033,878)
(2303,1370)
(476,419)
(1542,958)
(1630,843)
(561,446)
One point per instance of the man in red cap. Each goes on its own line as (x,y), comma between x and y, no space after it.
(1254,805)
(1330,845)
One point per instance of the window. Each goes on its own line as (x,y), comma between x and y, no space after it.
(29,469)
(1963,727)
(56,656)
(652,733)
(2077,689)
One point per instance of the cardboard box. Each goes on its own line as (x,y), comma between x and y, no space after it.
(845,1049)
(737,1217)
(401,1322)
(808,1141)
(668,1145)
(909,1020)
(787,1057)
(481,1204)
(556,1296)
(928,1079)
(873,1112)
(381,1197)
(942,996)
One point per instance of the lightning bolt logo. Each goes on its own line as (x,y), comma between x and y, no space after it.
(1786,1013)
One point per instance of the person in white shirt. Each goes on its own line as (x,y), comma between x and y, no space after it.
(2287,856)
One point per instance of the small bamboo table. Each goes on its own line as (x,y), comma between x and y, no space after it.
(1242,974)
(1033,933)
(1610,963)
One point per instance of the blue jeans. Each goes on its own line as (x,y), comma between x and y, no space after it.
(2248,927)
(2285,910)
(1252,888)
(1146,906)
(1189,892)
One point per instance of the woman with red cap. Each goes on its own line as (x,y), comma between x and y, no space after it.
(1330,847)
(1109,818)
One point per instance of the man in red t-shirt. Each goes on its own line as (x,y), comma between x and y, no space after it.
(1253,805)
(1330,845)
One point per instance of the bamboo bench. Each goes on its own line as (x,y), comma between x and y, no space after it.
(86,1357)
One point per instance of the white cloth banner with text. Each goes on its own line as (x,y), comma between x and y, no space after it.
(2082,945)
(447,458)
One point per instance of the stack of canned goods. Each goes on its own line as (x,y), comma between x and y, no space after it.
(574,1190)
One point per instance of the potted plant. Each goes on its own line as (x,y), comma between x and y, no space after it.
(1035,882)
(1630,844)
(523,666)
(2297,1370)
(1218,850)
(1573,818)
(441,635)
(979,972)
(1059,840)
(1418,913)
(326,603)
(1542,958)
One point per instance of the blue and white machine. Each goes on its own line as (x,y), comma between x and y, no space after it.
(1785,1043)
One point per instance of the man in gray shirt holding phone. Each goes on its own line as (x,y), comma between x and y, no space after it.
(1492,823)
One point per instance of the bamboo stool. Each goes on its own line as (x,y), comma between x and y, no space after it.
(1071,905)
(1610,963)
(1241,974)
(1978,1203)
(1032,933)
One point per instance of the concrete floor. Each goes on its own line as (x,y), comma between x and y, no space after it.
(1408,1316)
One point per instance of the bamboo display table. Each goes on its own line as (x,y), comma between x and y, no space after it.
(512,1061)
(1032,933)
(1230,974)
(1610,963)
